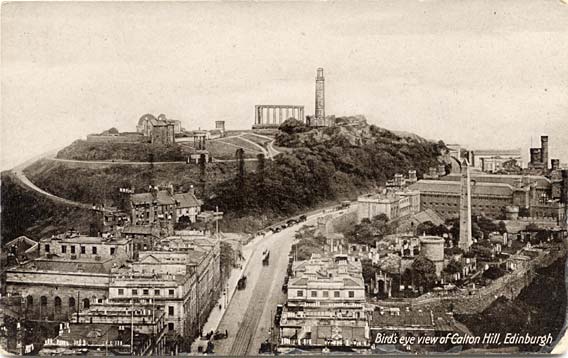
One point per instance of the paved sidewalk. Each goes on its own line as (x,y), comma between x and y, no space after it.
(217,314)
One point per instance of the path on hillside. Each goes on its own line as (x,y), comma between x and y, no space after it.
(18,172)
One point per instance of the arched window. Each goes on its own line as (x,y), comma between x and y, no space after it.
(86,303)
(57,304)
(72,303)
(29,301)
(43,301)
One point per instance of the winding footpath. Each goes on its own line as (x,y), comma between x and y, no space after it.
(18,173)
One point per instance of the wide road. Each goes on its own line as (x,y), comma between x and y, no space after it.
(250,313)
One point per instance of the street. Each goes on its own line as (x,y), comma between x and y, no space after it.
(249,316)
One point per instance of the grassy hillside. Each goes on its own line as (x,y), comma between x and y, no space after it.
(95,185)
(320,166)
(25,212)
(136,152)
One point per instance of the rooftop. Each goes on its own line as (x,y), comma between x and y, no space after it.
(161,197)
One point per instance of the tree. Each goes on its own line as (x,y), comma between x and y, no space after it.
(424,272)
(293,126)
(454,267)
(493,272)
(424,228)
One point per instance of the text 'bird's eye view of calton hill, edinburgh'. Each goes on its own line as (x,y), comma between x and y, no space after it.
(295,178)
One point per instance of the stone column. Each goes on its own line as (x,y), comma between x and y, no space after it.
(255,114)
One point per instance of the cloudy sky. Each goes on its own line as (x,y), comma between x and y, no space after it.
(486,74)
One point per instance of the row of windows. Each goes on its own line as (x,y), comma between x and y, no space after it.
(145,292)
(325,294)
(94,249)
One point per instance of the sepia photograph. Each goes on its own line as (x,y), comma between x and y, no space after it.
(261,178)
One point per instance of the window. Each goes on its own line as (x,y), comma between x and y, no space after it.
(46,247)
(134,292)
(170,326)
(112,250)
(171,292)
(146,292)
(336,294)
(83,249)
(314,293)
(156,292)
(63,249)
(94,248)
(72,249)
(325,294)
(351,294)
(170,310)
(300,293)
(121,291)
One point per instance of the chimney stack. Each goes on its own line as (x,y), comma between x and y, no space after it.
(544,150)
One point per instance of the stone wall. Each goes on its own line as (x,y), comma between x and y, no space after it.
(129,138)
(477,300)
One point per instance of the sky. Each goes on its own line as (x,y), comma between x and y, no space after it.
(485,74)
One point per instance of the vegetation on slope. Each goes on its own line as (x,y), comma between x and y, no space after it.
(135,152)
(25,212)
(324,165)
(531,312)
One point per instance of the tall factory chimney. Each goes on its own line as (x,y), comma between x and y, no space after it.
(544,150)
(465,239)
(320,98)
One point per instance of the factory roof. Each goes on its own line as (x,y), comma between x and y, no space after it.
(453,187)
(497,152)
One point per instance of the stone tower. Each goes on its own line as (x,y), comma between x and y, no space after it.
(465,208)
(544,150)
(320,98)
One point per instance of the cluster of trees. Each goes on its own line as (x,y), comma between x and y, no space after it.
(319,170)
(368,231)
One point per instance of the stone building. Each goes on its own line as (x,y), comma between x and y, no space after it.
(491,160)
(182,276)
(397,204)
(539,156)
(162,134)
(325,306)
(73,246)
(147,122)
(162,207)
(491,194)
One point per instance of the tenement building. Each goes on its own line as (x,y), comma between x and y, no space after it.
(325,307)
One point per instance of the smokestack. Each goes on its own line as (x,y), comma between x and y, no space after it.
(536,156)
(544,150)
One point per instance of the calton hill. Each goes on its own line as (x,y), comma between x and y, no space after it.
(315,167)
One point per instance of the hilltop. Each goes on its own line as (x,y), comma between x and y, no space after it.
(316,166)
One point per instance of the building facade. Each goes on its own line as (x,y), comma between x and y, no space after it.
(325,306)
